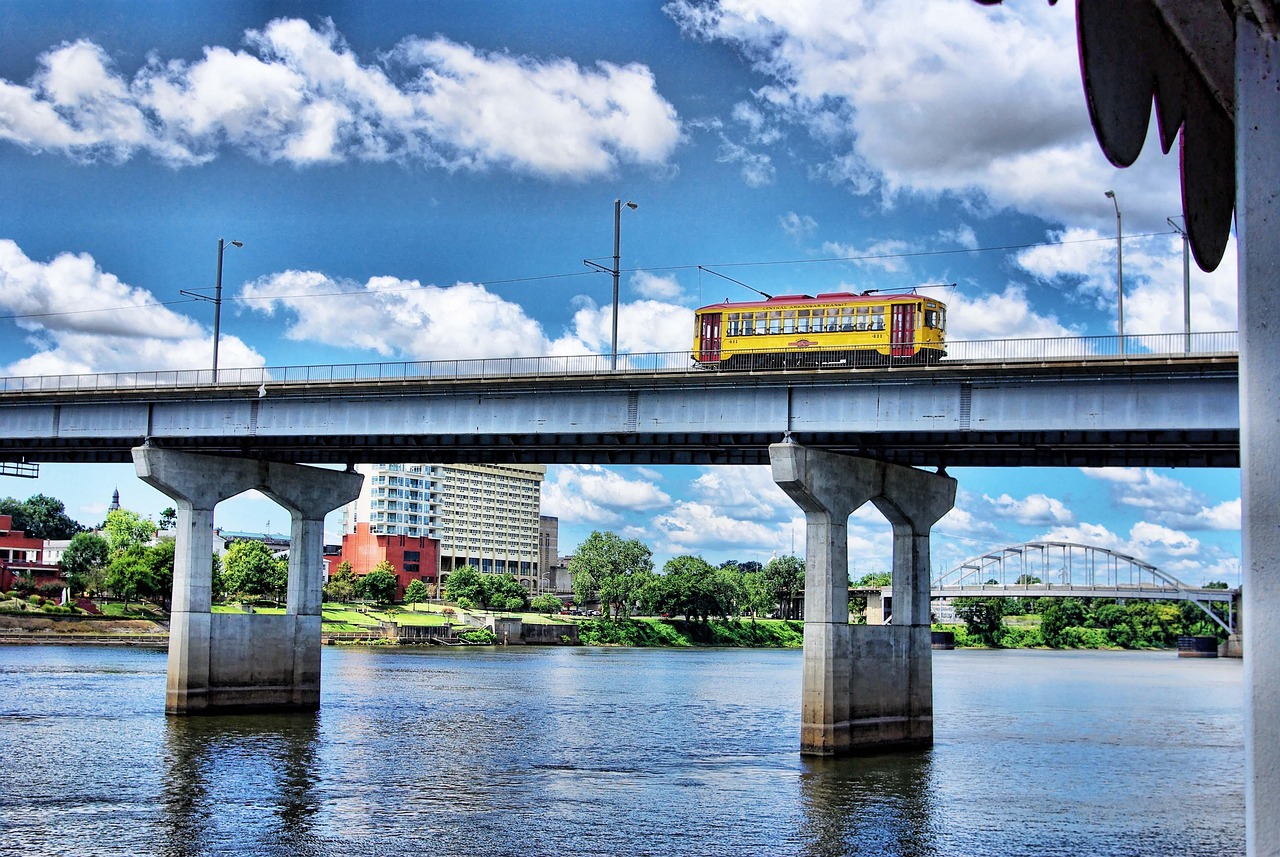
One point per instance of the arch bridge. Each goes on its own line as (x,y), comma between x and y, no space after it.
(1071,570)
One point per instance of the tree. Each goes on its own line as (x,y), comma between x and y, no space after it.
(546,603)
(168,518)
(129,573)
(251,570)
(41,517)
(757,595)
(692,588)
(613,568)
(983,617)
(465,587)
(785,575)
(380,584)
(85,559)
(1056,615)
(342,583)
(416,591)
(160,558)
(125,529)
(504,592)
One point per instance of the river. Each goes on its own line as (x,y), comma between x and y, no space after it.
(549,751)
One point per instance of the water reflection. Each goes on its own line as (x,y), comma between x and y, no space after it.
(241,784)
(879,805)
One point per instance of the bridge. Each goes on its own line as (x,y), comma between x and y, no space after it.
(1056,569)
(1164,401)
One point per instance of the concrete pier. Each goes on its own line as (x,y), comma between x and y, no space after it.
(229,662)
(865,688)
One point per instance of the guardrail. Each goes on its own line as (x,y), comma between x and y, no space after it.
(959,353)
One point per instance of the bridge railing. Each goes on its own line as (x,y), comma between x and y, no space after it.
(496,368)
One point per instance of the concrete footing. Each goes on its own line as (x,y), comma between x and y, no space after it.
(865,688)
(228,662)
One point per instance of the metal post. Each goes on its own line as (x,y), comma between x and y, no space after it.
(1186,281)
(617,243)
(217,308)
(1111,195)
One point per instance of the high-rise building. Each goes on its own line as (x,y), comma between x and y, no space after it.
(483,515)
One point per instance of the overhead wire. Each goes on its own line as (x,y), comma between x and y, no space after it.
(870,257)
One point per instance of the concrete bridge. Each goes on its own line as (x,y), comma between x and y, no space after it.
(836,439)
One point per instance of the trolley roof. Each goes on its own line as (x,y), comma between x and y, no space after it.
(825,298)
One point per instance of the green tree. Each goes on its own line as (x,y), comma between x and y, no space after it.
(342,583)
(168,518)
(611,567)
(380,584)
(129,573)
(160,558)
(785,575)
(1058,614)
(692,588)
(85,559)
(545,603)
(250,570)
(41,517)
(415,592)
(983,617)
(125,529)
(504,592)
(465,587)
(758,597)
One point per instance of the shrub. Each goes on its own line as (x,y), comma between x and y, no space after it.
(1075,637)
(478,637)
(4,596)
(1021,638)
(35,600)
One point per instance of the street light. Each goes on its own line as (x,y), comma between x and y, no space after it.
(615,270)
(217,300)
(1111,195)
(1186,279)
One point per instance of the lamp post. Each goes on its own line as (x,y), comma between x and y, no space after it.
(617,243)
(615,270)
(217,302)
(1111,195)
(1186,280)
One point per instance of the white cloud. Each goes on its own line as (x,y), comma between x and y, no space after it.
(757,168)
(81,319)
(884,255)
(596,495)
(691,527)
(746,492)
(652,286)
(644,327)
(1032,510)
(1006,315)
(798,226)
(1166,500)
(300,95)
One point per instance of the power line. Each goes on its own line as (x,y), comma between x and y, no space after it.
(870,257)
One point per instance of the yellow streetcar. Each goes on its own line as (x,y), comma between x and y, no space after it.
(836,329)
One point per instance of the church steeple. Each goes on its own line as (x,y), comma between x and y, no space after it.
(115,501)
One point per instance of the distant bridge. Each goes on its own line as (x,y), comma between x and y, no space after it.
(1070,570)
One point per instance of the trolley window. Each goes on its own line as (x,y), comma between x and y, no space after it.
(877,318)
(802,321)
(731,324)
(747,324)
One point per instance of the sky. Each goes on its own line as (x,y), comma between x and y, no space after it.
(423,180)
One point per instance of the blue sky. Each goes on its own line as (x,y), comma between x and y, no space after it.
(422,180)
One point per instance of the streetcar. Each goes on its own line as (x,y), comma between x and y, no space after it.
(830,330)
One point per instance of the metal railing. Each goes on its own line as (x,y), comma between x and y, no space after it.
(958,353)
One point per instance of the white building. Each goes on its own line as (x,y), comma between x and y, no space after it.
(484,515)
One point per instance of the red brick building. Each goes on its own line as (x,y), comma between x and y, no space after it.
(22,554)
(412,557)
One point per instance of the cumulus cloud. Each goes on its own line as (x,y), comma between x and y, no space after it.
(299,94)
(649,285)
(405,318)
(1167,500)
(798,226)
(80,319)
(692,526)
(884,255)
(1032,510)
(1003,315)
(746,492)
(596,495)
(937,98)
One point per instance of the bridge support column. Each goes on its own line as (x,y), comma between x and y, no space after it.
(227,662)
(865,688)
(1258,248)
